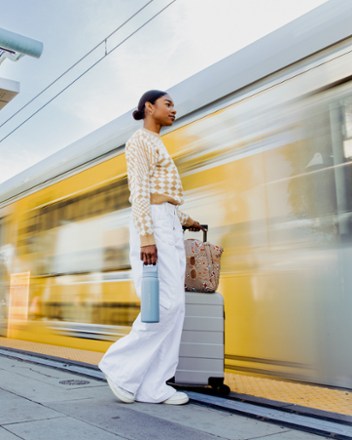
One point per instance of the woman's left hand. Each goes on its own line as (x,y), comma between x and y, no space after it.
(196,226)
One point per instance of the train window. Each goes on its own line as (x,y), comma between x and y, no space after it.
(1,232)
(70,236)
(347,143)
(340,109)
(317,187)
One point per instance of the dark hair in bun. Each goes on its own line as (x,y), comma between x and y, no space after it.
(137,115)
(150,96)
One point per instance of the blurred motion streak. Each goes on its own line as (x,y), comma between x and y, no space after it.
(267,166)
(18,302)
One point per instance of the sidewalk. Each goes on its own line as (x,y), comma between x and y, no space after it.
(43,403)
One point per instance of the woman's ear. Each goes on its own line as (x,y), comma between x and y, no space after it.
(149,108)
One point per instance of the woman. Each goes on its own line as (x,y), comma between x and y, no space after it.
(138,365)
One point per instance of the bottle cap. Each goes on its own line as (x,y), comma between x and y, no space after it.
(150,270)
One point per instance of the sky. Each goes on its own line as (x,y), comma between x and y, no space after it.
(188,36)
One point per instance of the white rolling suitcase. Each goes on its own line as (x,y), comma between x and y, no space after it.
(202,344)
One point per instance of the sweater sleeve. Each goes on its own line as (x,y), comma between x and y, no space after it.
(185,219)
(141,161)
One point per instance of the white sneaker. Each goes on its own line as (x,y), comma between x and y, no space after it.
(121,394)
(178,398)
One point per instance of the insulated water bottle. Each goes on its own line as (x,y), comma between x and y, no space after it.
(150,294)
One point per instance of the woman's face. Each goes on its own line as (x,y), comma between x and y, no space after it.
(163,111)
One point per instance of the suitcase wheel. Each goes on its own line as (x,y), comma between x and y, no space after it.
(217,384)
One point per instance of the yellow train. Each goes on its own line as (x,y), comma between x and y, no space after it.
(263,143)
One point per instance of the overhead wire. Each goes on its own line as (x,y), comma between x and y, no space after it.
(76,63)
(86,71)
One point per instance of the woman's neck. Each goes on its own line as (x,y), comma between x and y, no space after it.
(151,125)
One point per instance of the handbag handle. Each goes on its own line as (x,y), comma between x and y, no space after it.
(205,232)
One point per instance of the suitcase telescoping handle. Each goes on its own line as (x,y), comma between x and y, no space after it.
(205,232)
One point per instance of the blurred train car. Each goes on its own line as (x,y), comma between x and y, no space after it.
(263,142)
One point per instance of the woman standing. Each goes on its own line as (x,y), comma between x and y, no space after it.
(138,365)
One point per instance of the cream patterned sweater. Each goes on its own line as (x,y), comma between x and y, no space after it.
(152,179)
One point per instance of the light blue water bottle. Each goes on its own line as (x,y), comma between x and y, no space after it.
(150,294)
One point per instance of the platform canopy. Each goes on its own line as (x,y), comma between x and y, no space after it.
(8,90)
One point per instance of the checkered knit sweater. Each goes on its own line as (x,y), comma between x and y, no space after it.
(152,179)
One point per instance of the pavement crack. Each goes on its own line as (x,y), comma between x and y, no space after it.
(43,374)
(20,422)
(13,434)
(269,435)
(40,372)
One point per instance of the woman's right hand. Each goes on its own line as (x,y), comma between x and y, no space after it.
(149,254)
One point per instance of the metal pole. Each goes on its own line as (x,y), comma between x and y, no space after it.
(18,43)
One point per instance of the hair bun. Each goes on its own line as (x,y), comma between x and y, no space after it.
(138,115)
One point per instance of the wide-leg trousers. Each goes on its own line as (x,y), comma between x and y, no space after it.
(147,357)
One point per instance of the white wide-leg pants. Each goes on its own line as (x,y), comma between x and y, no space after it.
(147,357)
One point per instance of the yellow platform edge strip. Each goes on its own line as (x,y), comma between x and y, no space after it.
(297,393)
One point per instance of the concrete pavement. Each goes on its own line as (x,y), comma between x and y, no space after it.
(44,403)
